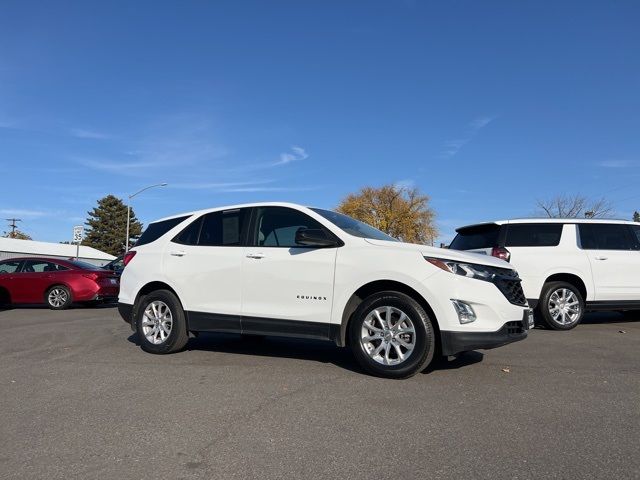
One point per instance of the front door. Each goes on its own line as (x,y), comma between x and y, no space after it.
(287,288)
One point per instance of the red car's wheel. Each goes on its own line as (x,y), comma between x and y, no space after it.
(58,297)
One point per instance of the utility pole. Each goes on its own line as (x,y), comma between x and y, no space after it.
(12,224)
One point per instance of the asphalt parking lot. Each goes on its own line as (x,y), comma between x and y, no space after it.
(79,399)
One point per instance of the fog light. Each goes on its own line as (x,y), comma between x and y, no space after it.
(464,310)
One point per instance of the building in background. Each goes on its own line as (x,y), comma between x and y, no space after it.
(10,247)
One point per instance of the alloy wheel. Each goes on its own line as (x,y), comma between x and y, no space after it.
(157,322)
(564,306)
(57,297)
(388,335)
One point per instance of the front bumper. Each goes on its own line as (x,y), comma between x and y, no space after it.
(457,342)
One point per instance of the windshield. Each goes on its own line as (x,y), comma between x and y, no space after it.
(353,226)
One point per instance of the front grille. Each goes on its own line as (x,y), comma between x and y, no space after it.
(514,328)
(508,283)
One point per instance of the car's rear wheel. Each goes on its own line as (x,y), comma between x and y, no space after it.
(561,305)
(58,297)
(161,323)
(391,335)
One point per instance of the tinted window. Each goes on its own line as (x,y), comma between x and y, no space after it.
(595,236)
(223,228)
(157,229)
(277,226)
(636,237)
(534,235)
(38,266)
(9,267)
(84,265)
(189,236)
(476,237)
(354,227)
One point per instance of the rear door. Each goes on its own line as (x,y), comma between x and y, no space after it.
(614,259)
(204,262)
(287,288)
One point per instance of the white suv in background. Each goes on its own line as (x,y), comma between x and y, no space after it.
(287,270)
(567,266)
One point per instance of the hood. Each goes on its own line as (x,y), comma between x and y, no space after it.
(444,253)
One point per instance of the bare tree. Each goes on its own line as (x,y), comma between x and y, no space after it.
(576,206)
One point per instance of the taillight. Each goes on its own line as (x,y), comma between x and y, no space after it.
(128,257)
(501,253)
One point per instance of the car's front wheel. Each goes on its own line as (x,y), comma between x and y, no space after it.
(391,335)
(561,305)
(160,323)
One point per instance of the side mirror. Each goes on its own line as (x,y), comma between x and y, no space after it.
(314,237)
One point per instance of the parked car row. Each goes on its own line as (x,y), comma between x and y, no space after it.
(287,270)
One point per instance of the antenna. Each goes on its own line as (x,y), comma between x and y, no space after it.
(12,224)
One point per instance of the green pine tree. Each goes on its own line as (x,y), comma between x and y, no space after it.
(636,216)
(107,226)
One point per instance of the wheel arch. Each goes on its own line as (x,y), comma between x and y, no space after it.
(5,296)
(57,284)
(571,278)
(340,335)
(152,287)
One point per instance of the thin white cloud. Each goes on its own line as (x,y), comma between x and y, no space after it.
(89,134)
(405,184)
(618,164)
(19,212)
(218,185)
(452,147)
(296,154)
(271,189)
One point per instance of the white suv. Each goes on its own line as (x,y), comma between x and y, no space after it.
(567,266)
(287,270)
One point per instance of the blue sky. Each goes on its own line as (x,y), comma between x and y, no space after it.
(485,106)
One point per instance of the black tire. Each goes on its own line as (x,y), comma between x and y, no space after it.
(58,297)
(5,299)
(178,336)
(544,308)
(424,337)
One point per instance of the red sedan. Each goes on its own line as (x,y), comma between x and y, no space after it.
(54,282)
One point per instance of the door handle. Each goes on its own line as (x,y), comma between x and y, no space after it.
(257,256)
(179,253)
(601,258)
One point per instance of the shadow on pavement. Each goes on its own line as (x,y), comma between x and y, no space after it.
(301,349)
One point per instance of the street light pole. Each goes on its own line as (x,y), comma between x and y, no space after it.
(129,208)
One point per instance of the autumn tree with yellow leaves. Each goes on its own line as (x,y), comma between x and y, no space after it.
(401,212)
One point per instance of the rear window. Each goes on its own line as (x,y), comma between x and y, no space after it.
(476,237)
(534,235)
(602,236)
(157,229)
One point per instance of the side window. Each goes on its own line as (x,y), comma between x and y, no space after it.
(534,235)
(189,236)
(602,236)
(223,228)
(10,266)
(40,266)
(157,229)
(277,226)
(636,236)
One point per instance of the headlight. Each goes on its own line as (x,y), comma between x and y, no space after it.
(470,270)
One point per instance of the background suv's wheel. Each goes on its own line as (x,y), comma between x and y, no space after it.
(58,297)
(391,335)
(561,305)
(160,323)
